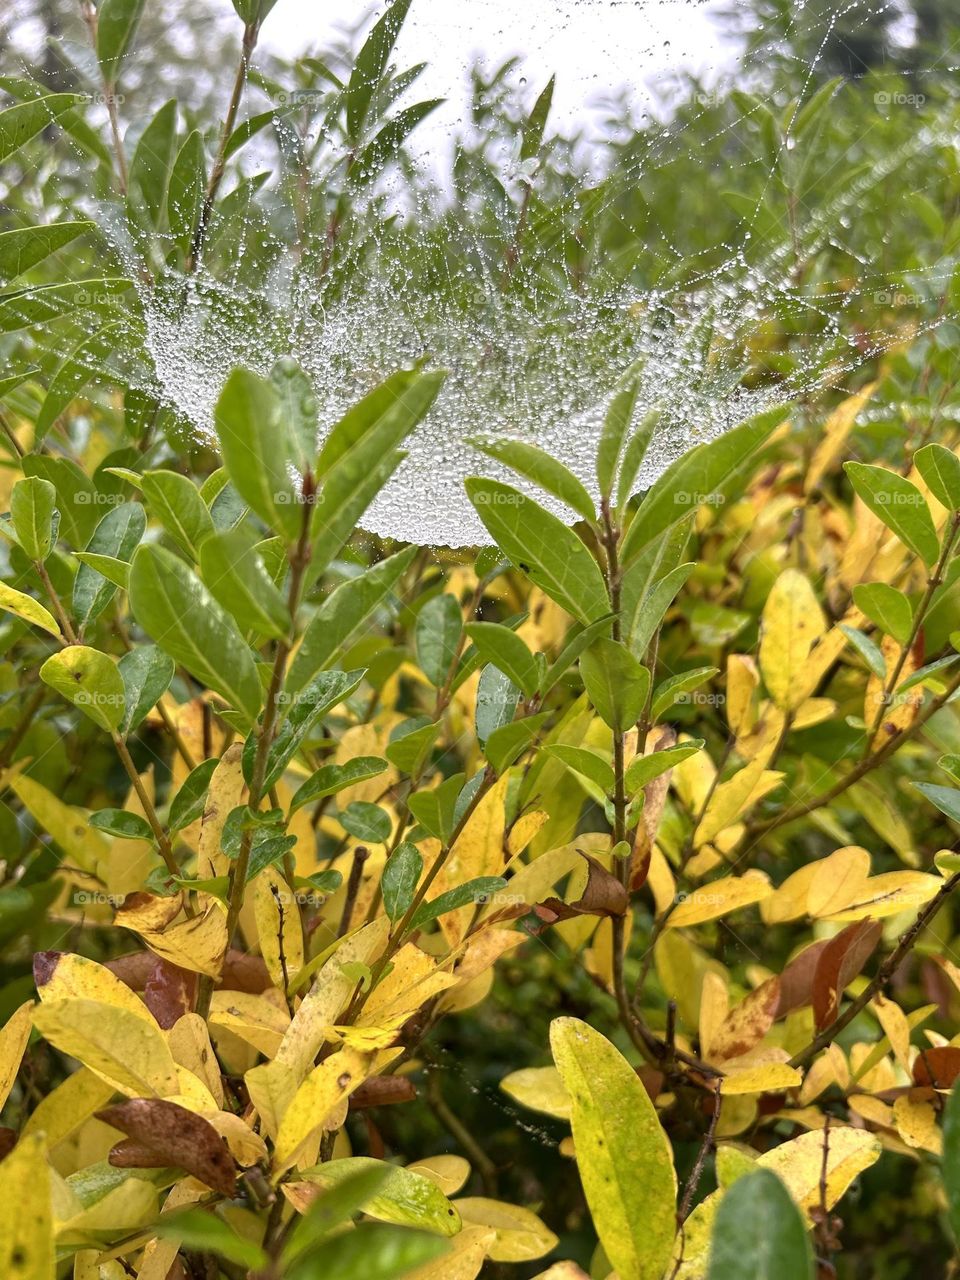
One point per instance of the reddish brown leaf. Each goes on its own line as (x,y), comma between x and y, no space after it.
(176,1137)
(130,1154)
(169,992)
(840,961)
(382,1091)
(240,971)
(604,895)
(796,981)
(938,1066)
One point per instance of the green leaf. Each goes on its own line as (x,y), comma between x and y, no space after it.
(579,640)
(435,810)
(633,457)
(543,470)
(189,802)
(951,1159)
(541,546)
(124,825)
(233,570)
(90,681)
(644,769)
(299,409)
(370,66)
(82,365)
(371,1251)
(946,799)
(615,682)
(151,166)
(32,506)
(386,145)
(343,611)
(24,121)
(899,504)
(177,504)
(257,450)
(616,424)
(651,609)
(401,875)
(117,22)
(505,744)
(30,610)
(331,778)
(77,499)
(886,607)
(497,698)
(439,626)
(404,1197)
(115,538)
(24,248)
(867,650)
(759,1233)
(408,750)
(696,477)
(926,673)
(478,890)
(588,763)
(186,190)
(499,645)
(674,688)
(174,607)
(309,707)
(626,1167)
(382,419)
(366,822)
(940,469)
(338,1203)
(204,1232)
(146,672)
(536,122)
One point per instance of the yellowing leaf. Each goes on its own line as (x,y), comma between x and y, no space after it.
(412,981)
(26,1218)
(278,926)
(540,1089)
(519,1235)
(189,1042)
(889,894)
(714,1007)
(462,1261)
(259,1021)
(477,851)
(224,793)
(28,609)
(837,880)
(14,1035)
(67,826)
(916,1122)
(197,942)
(792,622)
(448,1172)
(743,680)
(120,1046)
(891,1017)
(60,975)
(719,898)
(624,1157)
(833,436)
(405,1197)
(324,1089)
(769,1077)
(271,1086)
(70,1105)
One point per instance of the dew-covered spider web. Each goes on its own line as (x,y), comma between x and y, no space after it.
(539,263)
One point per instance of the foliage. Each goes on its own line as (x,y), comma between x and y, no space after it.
(647,825)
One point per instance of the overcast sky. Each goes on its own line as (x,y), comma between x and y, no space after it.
(593,46)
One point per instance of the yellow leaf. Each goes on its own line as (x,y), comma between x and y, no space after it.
(26,1217)
(893,1020)
(714,1007)
(837,880)
(889,894)
(274,902)
(225,793)
(916,1123)
(321,1093)
(463,1259)
(14,1035)
(258,1020)
(872,1109)
(624,1157)
(746,1025)
(327,997)
(477,851)
(412,981)
(271,1087)
(246,1147)
(519,1235)
(792,622)
(524,830)
(448,1172)
(60,975)
(828,1069)
(540,1089)
(833,436)
(189,1042)
(743,680)
(729,801)
(28,609)
(719,898)
(70,1105)
(197,943)
(69,827)
(769,1077)
(121,1047)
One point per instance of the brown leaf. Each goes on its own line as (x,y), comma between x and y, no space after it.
(604,895)
(241,972)
(130,1154)
(382,1091)
(8,1140)
(747,1024)
(938,1066)
(796,981)
(176,1137)
(840,961)
(169,992)
(148,910)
